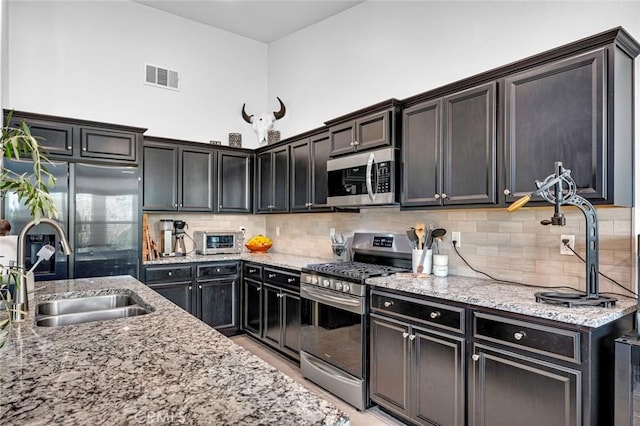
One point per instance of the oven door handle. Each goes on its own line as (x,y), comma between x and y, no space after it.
(348,304)
(370,163)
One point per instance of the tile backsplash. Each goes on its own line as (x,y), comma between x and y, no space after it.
(508,246)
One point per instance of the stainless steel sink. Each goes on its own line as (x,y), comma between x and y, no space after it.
(87,309)
(84,304)
(82,317)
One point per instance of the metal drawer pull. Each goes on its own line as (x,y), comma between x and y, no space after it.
(435,314)
(217,269)
(271,275)
(475,357)
(405,335)
(519,335)
(388,303)
(290,280)
(413,336)
(259,288)
(169,273)
(252,271)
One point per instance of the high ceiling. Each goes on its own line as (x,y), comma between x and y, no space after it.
(262,20)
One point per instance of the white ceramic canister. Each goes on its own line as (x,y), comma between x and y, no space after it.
(416,256)
(440,265)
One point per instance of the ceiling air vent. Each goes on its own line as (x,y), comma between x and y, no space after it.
(162,77)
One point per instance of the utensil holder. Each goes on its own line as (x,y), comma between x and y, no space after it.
(416,256)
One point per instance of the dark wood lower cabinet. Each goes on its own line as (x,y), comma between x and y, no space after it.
(252,307)
(509,389)
(208,291)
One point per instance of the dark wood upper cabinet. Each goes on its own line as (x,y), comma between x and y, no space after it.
(556,112)
(449,149)
(272,180)
(309,173)
(364,129)
(177,177)
(71,139)
(234,182)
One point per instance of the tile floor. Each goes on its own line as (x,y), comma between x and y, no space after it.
(371,417)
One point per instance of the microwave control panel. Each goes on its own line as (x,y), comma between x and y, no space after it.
(384,176)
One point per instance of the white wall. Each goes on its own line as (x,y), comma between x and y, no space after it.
(85,59)
(4,51)
(385,49)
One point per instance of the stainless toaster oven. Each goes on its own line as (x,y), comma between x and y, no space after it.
(217,242)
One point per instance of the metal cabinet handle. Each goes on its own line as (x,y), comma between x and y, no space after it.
(356,143)
(259,289)
(444,195)
(84,148)
(519,335)
(506,192)
(169,273)
(271,275)
(405,335)
(217,269)
(252,271)
(68,148)
(435,314)
(290,280)
(220,205)
(413,336)
(200,287)
(388,303)
(436,196)
(279,294)
(175,205)
(475,357)
(190,287)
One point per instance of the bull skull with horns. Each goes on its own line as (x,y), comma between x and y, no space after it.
(262,123)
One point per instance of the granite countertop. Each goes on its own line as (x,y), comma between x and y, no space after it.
(505,297)
(281,260)
(165,367)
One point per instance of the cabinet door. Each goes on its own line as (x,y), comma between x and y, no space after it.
(469,146)
(342,138)
(252,309)
(421,154)
(507,386)
(234,182)
(217,302)
(281,180)
(555,113)
(389,347)
(291,324)
(55,138)
(264,184)
(320,153)
(271,311)
(196,180)
(300,175)
(374,130)
(111,144)
(438,378)
(178,292)
(160,171)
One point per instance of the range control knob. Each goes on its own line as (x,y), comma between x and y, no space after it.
(326,282)
(314,280)
(338,286)
(346,288)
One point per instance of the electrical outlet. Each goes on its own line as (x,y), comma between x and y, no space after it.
(455,236)
(332,232)
(277,231)
(572,244)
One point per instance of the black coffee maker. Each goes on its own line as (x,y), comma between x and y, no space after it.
(179,233)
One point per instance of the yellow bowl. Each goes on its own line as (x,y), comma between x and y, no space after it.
(258,247)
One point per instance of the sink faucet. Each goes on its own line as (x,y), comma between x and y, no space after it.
(21,302)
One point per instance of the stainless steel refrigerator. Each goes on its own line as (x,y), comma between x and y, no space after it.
(99,209)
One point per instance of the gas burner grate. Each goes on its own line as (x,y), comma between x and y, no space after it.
(356,270)
(573,299)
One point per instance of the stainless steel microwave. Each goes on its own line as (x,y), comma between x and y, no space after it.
(362,179)
(217,242)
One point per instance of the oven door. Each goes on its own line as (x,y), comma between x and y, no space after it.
(335,330)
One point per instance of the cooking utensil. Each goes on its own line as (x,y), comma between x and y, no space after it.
(419,230)
(411,233)
(437,235)
(420,267)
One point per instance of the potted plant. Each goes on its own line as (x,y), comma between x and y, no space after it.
(31,188)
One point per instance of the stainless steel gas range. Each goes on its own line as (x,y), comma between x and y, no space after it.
(334,338)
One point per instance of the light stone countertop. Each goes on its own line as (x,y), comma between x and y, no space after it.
(505,297)
(165,367)
(281,260)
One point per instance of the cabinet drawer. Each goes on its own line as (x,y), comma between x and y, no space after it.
(550,341)
(286,279)
(217,269)
(168,274)
(422,311)
(252,270)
